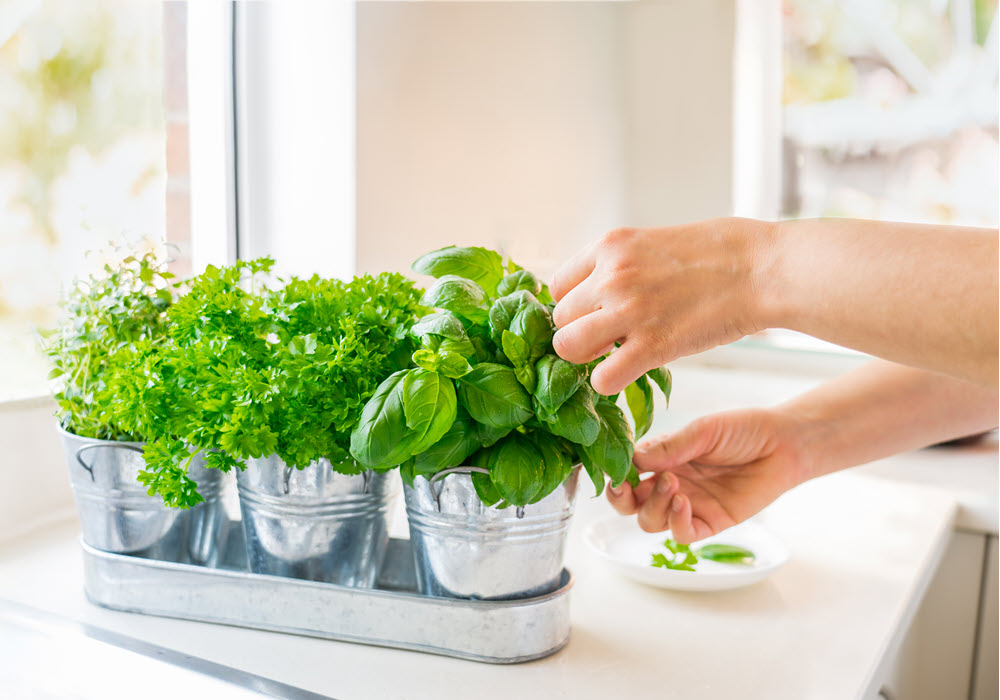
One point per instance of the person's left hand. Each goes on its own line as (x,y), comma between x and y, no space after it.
(716,472)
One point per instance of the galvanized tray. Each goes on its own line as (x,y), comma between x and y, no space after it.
(393,614)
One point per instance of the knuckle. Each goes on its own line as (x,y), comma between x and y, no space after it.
(617,237)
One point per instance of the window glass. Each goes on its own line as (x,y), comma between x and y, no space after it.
(891,110)
(83,163)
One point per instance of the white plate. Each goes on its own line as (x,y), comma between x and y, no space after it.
(623,545)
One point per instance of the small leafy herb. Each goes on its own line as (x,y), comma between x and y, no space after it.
(518,410)
(103,318)
(249,369)
(683,558)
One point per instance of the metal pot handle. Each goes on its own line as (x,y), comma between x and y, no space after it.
(436,494)
(112,446)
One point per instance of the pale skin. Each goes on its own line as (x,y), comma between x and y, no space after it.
(925,298)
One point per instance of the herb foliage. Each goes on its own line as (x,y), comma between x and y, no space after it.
(103,317)
(485,388)
(250,369)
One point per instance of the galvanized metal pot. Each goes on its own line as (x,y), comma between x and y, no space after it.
(315,523)
(464,549)
(117,515)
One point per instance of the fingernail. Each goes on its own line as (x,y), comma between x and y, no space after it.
(663,486)
(616,490)
(678,503)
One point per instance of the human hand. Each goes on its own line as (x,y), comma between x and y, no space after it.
(716,472)
(662,293)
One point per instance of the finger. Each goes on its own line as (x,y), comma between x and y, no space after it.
(654,513)
(622,499)
(577,303)
(589,337)
(684,525)
(669,451)
(573,271)
(624,366)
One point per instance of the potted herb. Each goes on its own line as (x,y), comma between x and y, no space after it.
(272,381)
(489,425)
(104,319)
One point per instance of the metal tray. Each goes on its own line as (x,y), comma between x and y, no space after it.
(393,614)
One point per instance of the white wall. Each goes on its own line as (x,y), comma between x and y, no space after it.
(535,127)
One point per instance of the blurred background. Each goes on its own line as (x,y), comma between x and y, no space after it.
(344,138)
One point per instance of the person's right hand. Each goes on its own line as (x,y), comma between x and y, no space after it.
(716,472)
(662,293)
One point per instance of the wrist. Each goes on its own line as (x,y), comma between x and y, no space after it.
(771,281)
(814,439)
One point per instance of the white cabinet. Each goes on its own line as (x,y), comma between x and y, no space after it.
(950,649)
(985,683)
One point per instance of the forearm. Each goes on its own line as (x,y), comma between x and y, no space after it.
(882,409)
(920,295)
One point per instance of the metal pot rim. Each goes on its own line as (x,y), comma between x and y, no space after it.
(96,441)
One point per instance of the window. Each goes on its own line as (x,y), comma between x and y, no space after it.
(881,109)
(93,150)
(890,110)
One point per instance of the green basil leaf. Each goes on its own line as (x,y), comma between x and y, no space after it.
(461,296)
(515,348)
(440,323)
(662,378)
(527,376)
(485,267)
(453,365)
(533,322)
(427,359)
(382,437)
(516,468)
(557,381)
(429,405)
(493,396)
(557,465)
(593,471)
(639,397)
(451,450)
(613,449)
(485,489)
(516,281)
(577,419)
(726,554)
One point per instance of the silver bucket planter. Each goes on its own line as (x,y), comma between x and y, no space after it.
(315,523)
(117,515)
(464,549)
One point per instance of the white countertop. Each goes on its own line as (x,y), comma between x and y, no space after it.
(864,546)
(862,549)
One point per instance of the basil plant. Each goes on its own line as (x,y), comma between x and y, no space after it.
(485,388)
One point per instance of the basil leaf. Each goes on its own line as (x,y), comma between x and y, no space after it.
(485,267)
(613,449)
(639,397)
(516,281)
(556,463)
(382,437)
(429,405)
(516,469)
(557,381)
(453,365)
(662,378)
(577,419)
(726,554)
(533,323)
(485,489)
(493,396)
(451,450)
(515,348)
(440,323)
(461,296)
(504,309)
(527,376)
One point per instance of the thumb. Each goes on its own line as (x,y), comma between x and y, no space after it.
(668,451)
